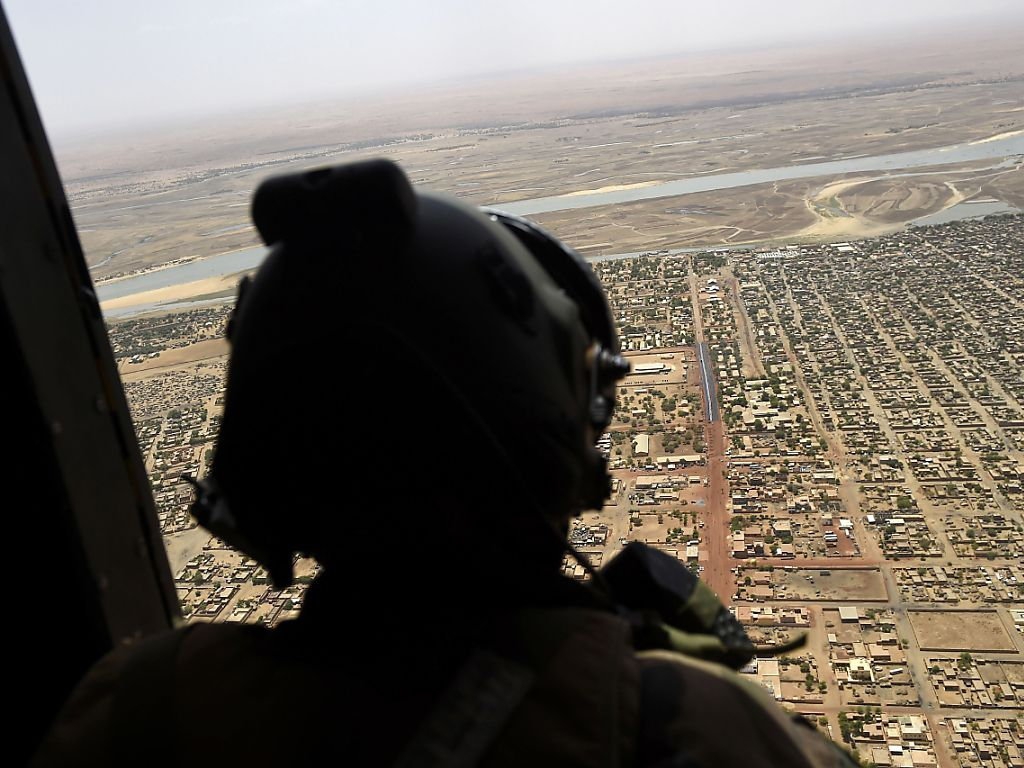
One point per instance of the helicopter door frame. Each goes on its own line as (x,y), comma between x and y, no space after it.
(91,568)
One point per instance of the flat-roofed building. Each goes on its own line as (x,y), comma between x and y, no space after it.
(646,369)
(860,669)
(682,460)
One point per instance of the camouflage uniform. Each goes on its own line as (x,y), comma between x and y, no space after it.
(554,686)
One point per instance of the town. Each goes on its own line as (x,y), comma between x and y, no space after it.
(830,435)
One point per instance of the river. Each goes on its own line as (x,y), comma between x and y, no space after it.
(989,149)
(957,153)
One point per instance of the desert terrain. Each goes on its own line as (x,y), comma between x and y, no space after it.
(181,192)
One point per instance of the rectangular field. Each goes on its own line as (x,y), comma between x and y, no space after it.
(849,584)
(960,631)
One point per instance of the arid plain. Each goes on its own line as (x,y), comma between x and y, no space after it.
(180,192)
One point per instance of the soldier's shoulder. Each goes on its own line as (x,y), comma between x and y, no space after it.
(131,675)
(699,713)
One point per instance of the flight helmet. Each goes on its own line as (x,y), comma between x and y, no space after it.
(385,315)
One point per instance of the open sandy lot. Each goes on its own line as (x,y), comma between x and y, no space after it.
(209,349)
(847,584)
(960,631)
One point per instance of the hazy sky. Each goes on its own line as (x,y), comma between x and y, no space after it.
(106,62)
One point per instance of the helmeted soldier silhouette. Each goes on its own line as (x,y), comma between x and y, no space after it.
(414,392)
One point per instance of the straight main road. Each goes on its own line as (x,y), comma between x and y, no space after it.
(707,382)
(718,574)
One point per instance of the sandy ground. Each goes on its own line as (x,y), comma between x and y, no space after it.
(182,292)
(182,547)
(998,136)
(613,188)
(854,584)
(844,220)
(201,350)
(960,631)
